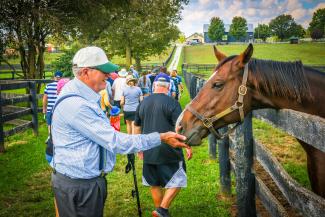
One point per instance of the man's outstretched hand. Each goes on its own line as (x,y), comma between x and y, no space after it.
(173,139)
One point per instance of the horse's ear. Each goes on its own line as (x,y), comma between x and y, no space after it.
(220,56)
(245,56)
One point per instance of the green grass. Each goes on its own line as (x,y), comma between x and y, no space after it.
(3,75)
(150,60)
(25,188)
(308,53)
(48,58)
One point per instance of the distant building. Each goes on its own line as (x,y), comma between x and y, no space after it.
(51,48)
(227,37)
(196,37)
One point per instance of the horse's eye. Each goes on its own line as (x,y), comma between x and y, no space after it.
(218,85)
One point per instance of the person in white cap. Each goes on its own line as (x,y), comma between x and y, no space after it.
(118,86)
(85,144)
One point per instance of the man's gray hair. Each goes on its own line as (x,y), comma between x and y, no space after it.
(162,84)
(76,70)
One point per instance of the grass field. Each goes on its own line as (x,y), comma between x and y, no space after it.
(308,53)
(25,188)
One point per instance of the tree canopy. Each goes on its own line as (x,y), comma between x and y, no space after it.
(238,27)
(144,29)
(317,25)
(216,29)
(284,26)
(262,31)
(137,27)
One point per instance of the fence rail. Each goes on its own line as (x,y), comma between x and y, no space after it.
(308,128)
(11,114)
(201,70)
(17,73)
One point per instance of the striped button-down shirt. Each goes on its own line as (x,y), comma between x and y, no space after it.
(79,128)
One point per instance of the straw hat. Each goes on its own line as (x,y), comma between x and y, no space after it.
(130,78)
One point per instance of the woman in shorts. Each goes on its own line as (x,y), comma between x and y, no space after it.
(131,97)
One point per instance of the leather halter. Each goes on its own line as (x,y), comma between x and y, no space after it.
(239,104)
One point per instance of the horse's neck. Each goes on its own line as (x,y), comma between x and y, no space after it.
(316,106)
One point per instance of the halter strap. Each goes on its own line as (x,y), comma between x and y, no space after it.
(239,104)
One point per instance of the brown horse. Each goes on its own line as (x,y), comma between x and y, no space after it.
(267,84)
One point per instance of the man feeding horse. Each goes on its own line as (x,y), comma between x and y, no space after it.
(85,144)
(241,84)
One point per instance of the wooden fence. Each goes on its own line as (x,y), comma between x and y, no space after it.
(243,148)
(15,72)
(201,70)
(10,113)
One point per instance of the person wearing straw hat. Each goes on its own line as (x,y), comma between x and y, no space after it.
(118,87)
(131,97)
(85,144)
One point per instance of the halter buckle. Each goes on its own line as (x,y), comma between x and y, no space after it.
(207,123)
(242,90)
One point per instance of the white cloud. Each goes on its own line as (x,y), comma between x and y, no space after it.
(203,2)
(251,11)
(298,14)
(319,6)
(293,5)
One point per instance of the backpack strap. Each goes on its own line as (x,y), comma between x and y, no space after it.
(51,115)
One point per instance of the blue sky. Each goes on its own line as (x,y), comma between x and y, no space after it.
(199,12)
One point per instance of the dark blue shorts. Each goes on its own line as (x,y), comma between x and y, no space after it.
(170,175)
(48,118)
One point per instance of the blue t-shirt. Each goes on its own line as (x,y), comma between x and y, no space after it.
(131,98)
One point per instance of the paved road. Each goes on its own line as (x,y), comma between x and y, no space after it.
(177,55)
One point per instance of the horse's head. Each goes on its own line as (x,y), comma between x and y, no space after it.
(218,102)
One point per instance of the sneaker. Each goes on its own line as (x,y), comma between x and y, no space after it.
(157,213)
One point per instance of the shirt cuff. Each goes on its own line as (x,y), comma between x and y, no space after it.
(154,139)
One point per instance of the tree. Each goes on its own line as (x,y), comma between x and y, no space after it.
(138,34)
(181,38)
(238,27)
(316,34)
(297,30)
(284,26)
(216,29)
(262,31)
(29,22)
(317,25)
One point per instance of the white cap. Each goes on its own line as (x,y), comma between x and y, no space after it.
(123,73)
(93,57)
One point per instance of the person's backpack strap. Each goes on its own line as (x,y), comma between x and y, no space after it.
(49,147)
(60,99)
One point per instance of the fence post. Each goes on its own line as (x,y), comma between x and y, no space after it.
(2,140)
(33,105)
(245,179)
(224,163)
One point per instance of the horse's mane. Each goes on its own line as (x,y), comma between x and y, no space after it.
(284,79)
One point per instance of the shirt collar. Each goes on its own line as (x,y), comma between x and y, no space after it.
(83,90)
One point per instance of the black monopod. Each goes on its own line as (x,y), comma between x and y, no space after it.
(135,192)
